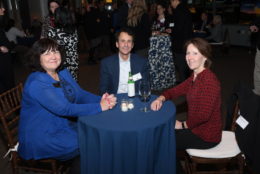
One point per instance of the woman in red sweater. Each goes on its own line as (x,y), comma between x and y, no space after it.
(203,126)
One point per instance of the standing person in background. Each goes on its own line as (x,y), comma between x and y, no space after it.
(122,14)
(114,26)
(138,22)
(182,31)
(13,32)
(93,30)
(6,67)
(49,19)
(18,37)
(65,34)
(160,58)
(170,10)
(255,29)
(201,28)
(217,30)
(161,22)
(203,126)
(36,27)
(105,23)
(152,10)
(80,22)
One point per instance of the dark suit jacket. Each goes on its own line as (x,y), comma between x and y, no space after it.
(92,27)
(109,72)
(142,32)
(6,67)
(248,139)
(122,16)
(182,30)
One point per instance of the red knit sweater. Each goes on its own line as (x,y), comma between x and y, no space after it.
(204,104)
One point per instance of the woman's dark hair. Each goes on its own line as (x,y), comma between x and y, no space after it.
(125,30)
(49,5)
(162,3)
(204,48)
(40,47)
(63,20)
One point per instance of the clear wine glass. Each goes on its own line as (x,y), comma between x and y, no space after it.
(145,92)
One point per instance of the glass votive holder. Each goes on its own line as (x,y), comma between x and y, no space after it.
(130,104)
(124,105)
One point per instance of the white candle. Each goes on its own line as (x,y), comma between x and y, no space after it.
(130,105)
(124,107)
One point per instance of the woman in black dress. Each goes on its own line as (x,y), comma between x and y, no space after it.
(6,67)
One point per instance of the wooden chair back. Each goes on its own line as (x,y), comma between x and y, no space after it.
(10,104)
(237,162)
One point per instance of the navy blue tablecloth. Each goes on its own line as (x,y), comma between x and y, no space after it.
(132,142)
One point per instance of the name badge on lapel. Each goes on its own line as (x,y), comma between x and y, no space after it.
(242,122)
(137,76)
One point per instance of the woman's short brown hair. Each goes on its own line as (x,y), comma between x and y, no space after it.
(204,48)
(40,47)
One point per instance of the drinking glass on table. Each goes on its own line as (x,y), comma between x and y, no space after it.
(144,92)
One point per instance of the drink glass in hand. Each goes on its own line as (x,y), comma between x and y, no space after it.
(144,92)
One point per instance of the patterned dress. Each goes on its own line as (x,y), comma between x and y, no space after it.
(48,22)
(70,46)
(159,25)
(162,69)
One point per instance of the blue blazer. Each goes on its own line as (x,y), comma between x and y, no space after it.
(44,130)
(109,72)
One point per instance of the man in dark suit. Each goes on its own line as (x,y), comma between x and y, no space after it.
(6,67)
(122,14)
(115,69)
(182,31)
(201,28)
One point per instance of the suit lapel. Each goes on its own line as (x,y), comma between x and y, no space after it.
(132,67)
(116,75)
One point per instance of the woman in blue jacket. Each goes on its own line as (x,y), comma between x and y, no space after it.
(50,97)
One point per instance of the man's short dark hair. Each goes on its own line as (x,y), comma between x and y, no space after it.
(125,30)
